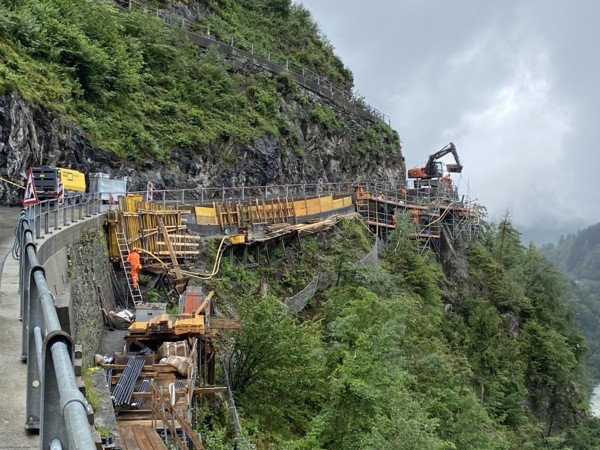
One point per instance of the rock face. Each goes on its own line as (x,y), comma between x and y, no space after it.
(32,136)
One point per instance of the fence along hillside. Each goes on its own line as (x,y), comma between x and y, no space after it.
(247,52)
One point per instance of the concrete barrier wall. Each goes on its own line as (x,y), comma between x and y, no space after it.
(75,260)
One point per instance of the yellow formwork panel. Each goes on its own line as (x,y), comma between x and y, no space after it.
(342,202)
(326,203)
(313,206)
(300,207)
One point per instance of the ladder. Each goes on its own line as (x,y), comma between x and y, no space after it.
(135,293)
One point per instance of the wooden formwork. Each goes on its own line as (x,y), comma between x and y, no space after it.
(234,213)
(140,221)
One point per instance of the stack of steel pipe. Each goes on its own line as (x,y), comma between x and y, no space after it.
(137,402)
(124,388)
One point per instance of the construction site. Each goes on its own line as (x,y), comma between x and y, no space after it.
(169,358)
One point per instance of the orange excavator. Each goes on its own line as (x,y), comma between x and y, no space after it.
(433,168)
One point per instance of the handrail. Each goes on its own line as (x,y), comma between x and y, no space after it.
(47,216)
(259,52)
(54,403)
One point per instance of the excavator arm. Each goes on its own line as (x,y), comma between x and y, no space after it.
(430,167)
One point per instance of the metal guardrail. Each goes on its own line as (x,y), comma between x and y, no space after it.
(54,404)
(206,195)
(258,51)
(48,216)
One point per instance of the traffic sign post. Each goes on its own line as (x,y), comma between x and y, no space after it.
(30,197)
(61,194)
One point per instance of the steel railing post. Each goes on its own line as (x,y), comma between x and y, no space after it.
(56,210)
(47,218)
(38,221)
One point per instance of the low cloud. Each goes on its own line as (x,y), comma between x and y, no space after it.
(513,84)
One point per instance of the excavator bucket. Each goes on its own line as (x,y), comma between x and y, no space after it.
(454,168)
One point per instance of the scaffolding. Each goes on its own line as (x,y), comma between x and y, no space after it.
(435,209)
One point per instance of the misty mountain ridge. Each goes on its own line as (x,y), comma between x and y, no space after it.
(577,254)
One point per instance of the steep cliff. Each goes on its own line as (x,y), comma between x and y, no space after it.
(178,115)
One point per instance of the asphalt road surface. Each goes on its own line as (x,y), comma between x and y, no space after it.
(13,373)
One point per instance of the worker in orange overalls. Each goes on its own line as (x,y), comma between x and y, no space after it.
(134,263)
(415,216)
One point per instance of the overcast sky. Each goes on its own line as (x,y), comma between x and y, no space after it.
(513,83)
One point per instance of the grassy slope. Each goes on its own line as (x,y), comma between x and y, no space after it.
(138,89)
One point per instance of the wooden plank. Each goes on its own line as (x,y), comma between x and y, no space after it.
(204,302)
(221,323)
(140,436)
(186,426)
(157,443)
(209,390)
(128,440)
(158,368)
(170,248)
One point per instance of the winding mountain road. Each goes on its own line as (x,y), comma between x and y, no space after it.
(13,372)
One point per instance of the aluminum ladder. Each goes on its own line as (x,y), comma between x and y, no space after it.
(135,293)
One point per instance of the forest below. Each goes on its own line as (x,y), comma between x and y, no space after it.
(402,355)
(578,256)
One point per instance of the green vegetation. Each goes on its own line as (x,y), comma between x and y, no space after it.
(91,395)
(326,117)
(281,27)
(139,89)
(578,256)
(370,140)
(133,84)
(377,361)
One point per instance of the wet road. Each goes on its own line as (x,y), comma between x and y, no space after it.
(13,374)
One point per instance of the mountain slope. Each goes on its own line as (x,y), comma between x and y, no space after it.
(578,256)
(137,90)
(402,355)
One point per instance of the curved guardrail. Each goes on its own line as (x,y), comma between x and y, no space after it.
(54,404)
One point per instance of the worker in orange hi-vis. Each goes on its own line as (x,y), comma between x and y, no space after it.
(134,263)
(415,216)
